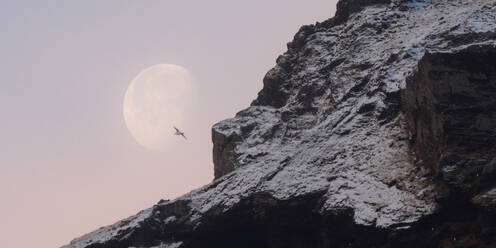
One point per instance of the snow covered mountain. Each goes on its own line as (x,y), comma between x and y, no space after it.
(377,128)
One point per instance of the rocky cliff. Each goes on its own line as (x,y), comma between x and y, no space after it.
(377,128)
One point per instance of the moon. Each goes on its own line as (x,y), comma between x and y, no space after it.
(155,102)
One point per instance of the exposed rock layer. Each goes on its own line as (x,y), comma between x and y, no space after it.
(375,129)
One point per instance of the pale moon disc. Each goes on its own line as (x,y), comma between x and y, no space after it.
(155,102)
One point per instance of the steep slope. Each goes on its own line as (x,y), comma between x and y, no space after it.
(377,128)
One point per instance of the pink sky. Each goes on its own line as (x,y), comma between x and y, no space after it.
(68,164)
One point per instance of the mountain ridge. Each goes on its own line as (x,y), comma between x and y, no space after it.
(375,128)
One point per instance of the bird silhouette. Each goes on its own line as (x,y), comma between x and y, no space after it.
(180,133)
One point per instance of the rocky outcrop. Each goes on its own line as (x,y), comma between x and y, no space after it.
(451,105)
(375,129)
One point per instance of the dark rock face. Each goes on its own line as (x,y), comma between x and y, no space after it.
(346,8)
(223,153)
(452,107)
(375,129)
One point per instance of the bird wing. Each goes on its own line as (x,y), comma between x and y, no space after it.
(182,134)
(177,130)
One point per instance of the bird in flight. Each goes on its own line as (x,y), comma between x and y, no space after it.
(179,133)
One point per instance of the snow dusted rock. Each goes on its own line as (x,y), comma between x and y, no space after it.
(377,128)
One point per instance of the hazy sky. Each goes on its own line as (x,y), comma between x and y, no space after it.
(68,164)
